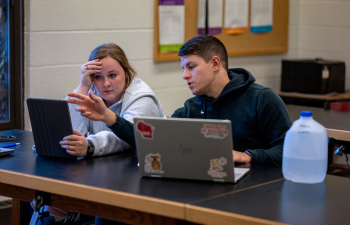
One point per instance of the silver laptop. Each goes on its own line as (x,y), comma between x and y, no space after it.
(197,149)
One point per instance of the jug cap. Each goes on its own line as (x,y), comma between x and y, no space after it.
(306,114)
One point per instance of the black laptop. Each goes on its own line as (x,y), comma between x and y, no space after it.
(50,120)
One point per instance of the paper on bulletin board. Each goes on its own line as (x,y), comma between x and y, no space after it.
(171,25)
(214,17)
(261,16)
(236,16)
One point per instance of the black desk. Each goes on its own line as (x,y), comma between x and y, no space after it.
(111,182)
(111,187)
(283,202)
(313,100)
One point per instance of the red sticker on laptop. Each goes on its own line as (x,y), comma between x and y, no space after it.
(146,130)
(214,131)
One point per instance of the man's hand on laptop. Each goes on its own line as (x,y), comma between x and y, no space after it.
(75,144)
(93,108)
(240,157)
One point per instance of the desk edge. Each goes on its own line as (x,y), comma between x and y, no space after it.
(203,215)
(95,194)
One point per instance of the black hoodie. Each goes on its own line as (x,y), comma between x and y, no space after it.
(258,116)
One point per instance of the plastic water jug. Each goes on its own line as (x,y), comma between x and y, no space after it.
(305,151)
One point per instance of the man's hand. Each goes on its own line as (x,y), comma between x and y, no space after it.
(93,108)
(240,157)
(75,144)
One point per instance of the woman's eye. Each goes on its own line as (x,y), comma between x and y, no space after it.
(113,75)
(97,77)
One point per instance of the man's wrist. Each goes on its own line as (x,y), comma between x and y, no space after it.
(249,154)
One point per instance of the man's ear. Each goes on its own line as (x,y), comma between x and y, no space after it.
(216,63)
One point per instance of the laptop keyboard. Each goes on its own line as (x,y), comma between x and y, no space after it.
(237,175)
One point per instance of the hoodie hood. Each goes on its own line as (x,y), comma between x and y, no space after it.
(239,78)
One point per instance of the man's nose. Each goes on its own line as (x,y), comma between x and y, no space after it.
(186,75)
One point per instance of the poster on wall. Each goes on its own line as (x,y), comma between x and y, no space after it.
(261,16)
(214,16)
(236,16)
(171,25)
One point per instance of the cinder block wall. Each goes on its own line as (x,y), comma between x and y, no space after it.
(325,30)
(59,36)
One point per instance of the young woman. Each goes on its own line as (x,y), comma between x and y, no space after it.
(109,75)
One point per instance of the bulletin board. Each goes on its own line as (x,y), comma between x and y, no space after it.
(274,42)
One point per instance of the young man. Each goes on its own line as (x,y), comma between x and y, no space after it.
(258,116)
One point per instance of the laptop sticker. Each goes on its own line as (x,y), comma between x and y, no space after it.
(153,163)
(145,129)
(214,131)
(216,168)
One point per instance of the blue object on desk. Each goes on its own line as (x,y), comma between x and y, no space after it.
(11,145)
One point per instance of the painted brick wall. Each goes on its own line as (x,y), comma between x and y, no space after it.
(59,36)
(325,31)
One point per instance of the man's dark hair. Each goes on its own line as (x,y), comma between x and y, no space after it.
(205,46)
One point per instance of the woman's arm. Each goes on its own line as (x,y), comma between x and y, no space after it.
(92,107)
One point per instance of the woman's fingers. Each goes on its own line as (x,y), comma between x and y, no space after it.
(69,143)
(79,109)
(78,133)
(93,97)
(71,152)
(86,114)
(92,65)
(79,99)
(74,101)
(76,95)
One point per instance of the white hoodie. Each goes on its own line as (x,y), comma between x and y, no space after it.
(138,100)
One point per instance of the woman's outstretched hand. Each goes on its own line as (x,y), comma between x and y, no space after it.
(92,107)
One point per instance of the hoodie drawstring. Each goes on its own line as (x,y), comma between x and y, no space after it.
(204,115)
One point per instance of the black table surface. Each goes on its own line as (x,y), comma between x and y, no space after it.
(263,193)
(292,203)
(332,119)
(120,172)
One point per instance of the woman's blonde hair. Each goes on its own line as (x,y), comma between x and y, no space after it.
(115,52)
